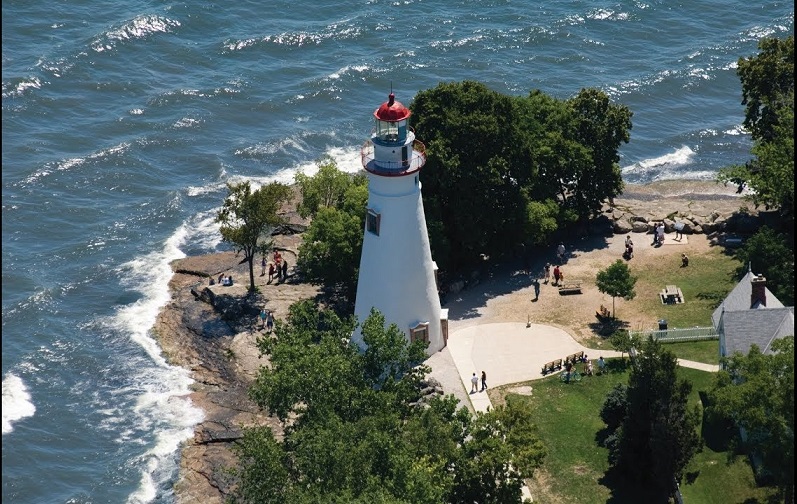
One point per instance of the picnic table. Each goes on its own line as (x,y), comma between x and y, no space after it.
(672,295)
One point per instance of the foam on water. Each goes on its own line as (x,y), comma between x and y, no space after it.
(163,403)
(17,403)
(665,166)
(123,122)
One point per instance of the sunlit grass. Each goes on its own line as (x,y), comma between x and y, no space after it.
(568,417)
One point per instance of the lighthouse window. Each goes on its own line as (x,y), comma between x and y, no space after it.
(372,222)
(420,333)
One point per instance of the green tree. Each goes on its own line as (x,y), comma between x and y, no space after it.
(487,174)
(769,254)
(767,79)
(354,430)
(659,434)
(542,220)
(768,95)
(601,127)
(502,448)
(331,246)
(247,216)
(616,281)
(756,392)
(624,342)
(330,251)
(511,157)
(326,189)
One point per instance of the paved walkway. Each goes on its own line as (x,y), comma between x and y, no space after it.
(511,352)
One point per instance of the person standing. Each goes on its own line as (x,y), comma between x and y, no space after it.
(474,383)
(547,272)
(284,270)
(263,317)
(270,322)
(560,252)
(536,289)
(484,381)
(270,272)
(601,364)
(263,264)
(679,231)
(557,274)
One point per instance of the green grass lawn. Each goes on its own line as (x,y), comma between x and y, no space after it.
(707,351)
(575,470)
(704,283)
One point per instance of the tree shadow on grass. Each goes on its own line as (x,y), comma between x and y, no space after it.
(717,432)
(620,365)
(623,491)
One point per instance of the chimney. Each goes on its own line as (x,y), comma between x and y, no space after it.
(759,291)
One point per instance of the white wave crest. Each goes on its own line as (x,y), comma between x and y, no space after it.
(138,28)
(680,157)
(163,401)
(21,87)
(349,69)
(17,403)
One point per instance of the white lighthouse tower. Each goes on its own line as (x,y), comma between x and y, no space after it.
(397,274)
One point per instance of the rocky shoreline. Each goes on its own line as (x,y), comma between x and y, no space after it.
(211,330)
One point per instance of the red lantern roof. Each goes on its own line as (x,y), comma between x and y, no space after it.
(392,110)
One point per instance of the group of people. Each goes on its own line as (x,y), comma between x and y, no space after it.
(474,383)
(558,276)
(278,267)
(224,280)
(658,235)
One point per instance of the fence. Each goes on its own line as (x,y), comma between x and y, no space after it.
(678,335)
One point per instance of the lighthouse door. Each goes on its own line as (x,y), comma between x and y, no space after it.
(405,161)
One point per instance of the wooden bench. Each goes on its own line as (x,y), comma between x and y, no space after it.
(576,357)
(572,287)
(603,315)
(552,366)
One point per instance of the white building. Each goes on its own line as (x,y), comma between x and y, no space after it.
(397,273)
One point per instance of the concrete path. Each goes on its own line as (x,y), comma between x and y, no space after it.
(508,352)
(511,352)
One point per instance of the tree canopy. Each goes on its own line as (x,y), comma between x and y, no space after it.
(768,253)
(756,392)
(326,189)
(531,165)
(768,95)
(358,428)
(330,250)
(247,216)
(653,434)
(616,280)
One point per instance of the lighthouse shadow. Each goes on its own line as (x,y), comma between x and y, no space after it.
(511,276)
(501,279)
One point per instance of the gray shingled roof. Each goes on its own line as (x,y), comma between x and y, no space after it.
(743,328)
(743,325)
(739,299)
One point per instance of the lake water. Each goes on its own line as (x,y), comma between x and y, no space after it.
(123,121)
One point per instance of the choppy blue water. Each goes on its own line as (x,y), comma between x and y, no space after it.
(123,120)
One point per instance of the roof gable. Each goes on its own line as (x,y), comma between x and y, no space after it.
(739,299)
